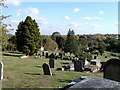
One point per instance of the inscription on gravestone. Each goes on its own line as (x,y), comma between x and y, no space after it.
(112,69)
(46,69)
(52,63)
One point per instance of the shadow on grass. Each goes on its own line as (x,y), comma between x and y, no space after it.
(11,55)
(64,63)
(39,66)
(33,73)
(65,81)
(16,52)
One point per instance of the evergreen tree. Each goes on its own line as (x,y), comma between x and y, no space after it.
(71,44)
(28,36)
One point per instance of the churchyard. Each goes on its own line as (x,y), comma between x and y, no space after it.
(29,73)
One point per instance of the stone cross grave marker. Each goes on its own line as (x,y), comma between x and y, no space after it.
(1,70)
(52,63)
(78,65)
(46,69)
(112,69)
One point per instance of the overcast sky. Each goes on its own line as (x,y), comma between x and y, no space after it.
(82,17)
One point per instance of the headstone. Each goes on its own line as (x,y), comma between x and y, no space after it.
(52,63)
(60,54)
(102,66)
(112,69)
(56,57)
(46,69)
(95,57)
(96,62)
(39,55)
(105,56)
(46,55)
(78,65)
(1,70)
(42,53)
(95,83)
(60,69)
(52,55)
(87,63)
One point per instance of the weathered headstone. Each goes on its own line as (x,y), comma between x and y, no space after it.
(1,70)
(78,65)
(46,69)
(95,83)
(112,69)
(46,55)
(52,63)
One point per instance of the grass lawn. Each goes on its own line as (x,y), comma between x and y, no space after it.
(28,73)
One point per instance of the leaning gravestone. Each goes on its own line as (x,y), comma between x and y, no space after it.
(1,70)
(52,63)
(46,55)
(46,69)
(78,65)
(112,69)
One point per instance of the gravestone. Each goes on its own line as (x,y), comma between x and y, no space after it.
(60,54)
(42,53)
(52,63)
(78,65)
(46,55)
(95,57)
(52,55)
(112,69)
(105,56)
(56,57)
(95,83)
(1,70)
(46,69)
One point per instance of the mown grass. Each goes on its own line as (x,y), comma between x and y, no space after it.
(28,73)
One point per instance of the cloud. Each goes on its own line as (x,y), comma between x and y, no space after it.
(76,10)
(101,12)
(34,13)
(92,18)
(87,18)
(13,2)
(115,24)
(67,17)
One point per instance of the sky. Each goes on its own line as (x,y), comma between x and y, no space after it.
(82,17)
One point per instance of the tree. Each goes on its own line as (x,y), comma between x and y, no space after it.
(54,35)
(60,41)
(3,34)
(48,43)
(71,44)
(28,37)
(12,46)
